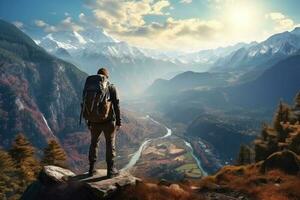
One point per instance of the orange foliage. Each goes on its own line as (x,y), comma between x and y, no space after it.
(274,185)
(151,191)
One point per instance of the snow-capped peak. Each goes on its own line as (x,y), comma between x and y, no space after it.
(81,40)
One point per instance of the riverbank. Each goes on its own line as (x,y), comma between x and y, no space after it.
(168,154)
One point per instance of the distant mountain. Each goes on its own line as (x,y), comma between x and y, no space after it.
(72,40)
(281,81)
(40,96)
(63,53)
(261,55)
(210,56)
(228,111)
(187,81)
(278,82)
(91,49)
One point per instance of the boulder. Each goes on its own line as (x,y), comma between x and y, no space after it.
(56,183)
(52,174)
(286,161)
(102,187)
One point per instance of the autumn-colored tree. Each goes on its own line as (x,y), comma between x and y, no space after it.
(54,155)
(8,179)
(23,155)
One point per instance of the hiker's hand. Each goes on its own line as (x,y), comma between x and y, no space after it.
(118,128)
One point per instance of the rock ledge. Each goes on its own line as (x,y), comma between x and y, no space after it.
(56,183)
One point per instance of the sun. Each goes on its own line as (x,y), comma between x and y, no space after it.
(241,16)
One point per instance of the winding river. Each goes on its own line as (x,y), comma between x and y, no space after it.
(136,156)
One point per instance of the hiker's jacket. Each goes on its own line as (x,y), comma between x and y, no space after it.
(115,114)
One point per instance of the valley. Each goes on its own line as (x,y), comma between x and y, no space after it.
(203,108)
(203,96)
(172,157)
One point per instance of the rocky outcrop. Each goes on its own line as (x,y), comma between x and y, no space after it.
(286,161)
(56,183)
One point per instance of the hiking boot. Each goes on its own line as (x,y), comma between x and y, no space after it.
(113,172)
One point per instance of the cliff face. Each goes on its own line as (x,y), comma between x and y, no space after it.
(40,94)
(55,183)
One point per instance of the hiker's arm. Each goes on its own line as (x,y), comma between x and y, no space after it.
(116,105)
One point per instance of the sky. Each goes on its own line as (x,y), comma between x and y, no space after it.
(171,25)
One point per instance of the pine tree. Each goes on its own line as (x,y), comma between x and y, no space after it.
(264,131)
(54,155)
(7,175)
(23,154)
(282,115)
(297,101)
(245,155)
(6,162)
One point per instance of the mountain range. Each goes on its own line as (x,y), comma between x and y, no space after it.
(231,100)
(90,49)
(250,61)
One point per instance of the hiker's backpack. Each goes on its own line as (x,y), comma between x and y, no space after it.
(96,104)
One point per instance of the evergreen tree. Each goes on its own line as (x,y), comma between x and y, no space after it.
(54,155)
(297,101)
(264,132)
(295,143)
(6,162)
(23,154)
(281,116)
(245,155)
(7,176)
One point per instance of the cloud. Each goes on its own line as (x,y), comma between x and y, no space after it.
(40,23)
(65,25)
(121,15)
(186,1)
(46,27)
(275,16)
(188,33)
(18,24)
(282,22)
(148,24)
(159,6)
(82,17)
(68,24)
(125,20)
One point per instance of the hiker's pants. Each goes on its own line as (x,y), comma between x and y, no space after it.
(109,130)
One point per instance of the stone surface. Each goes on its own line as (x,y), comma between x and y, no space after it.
(50,174)
(101,186)
(56,183)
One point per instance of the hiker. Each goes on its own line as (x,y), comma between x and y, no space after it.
(101,110)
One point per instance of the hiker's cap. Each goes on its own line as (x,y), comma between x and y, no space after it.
(103,71)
